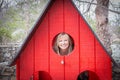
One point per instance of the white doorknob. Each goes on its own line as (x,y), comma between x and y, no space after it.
(62,62)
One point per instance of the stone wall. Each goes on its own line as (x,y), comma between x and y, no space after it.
(7,53)
(116,56)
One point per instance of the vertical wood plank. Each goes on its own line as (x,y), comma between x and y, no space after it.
(41,46)
(87,54)
(56,26)
(103,63)
(26,61)
(18,69)
(71,27)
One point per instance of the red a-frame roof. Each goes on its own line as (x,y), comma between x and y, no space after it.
(36,26)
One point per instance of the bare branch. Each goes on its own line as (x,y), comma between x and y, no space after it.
(89,5)
(102,6)
(113,11)
(111,3)
(1,3)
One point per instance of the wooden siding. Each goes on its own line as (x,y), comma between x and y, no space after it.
(88,54)
(27,61)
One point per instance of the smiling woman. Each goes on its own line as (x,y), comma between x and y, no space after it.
(63,44)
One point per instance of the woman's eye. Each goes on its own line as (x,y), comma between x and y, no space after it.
(60,41)
(66,40)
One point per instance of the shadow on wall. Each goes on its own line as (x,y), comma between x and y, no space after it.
(42,75)
(87,75)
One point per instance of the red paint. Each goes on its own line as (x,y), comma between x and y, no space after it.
(38,55)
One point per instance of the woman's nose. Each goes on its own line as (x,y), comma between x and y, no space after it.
(63,42)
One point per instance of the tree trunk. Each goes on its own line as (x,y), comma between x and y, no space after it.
(103,32)
(102,28)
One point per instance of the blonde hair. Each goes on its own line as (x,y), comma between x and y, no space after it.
(57,49)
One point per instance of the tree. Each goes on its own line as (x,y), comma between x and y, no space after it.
(101,12)
(17,17)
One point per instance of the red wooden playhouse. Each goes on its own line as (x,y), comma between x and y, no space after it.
(37,60)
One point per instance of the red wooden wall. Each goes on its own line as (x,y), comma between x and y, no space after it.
(88,54)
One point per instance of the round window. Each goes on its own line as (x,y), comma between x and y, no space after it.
(63,44)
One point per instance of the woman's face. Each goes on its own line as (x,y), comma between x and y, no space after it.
(63,42)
